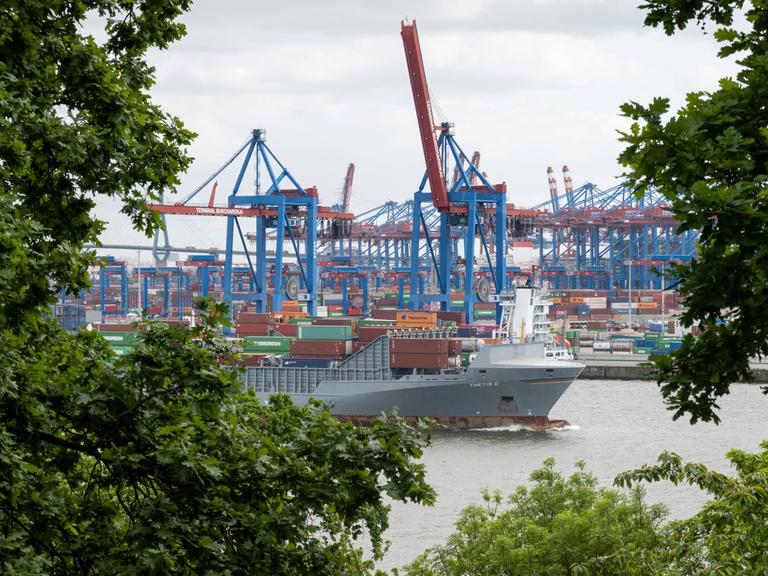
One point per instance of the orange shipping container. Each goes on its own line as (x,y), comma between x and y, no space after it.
(286,315)
(416,317)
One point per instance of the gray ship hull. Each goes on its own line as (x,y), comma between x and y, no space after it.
(505,384)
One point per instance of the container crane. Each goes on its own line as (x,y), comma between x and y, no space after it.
(475,210)
(292,213)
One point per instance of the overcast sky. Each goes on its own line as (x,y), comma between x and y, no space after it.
(528,83)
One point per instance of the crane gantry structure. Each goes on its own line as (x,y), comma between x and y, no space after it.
(596,238)
(474,211)
(452,236)
(278,204)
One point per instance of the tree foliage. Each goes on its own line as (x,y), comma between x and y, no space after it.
(154,462)
(571,526)
(731,531)
(77,121)
(558,526)
(710,160)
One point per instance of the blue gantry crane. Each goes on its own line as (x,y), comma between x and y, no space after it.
(285,216)
(475,211)
(596,238)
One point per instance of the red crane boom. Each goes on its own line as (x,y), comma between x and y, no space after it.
(476,163)
(424,116)
(346,194)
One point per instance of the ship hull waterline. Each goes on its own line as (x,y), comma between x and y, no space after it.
(476,398)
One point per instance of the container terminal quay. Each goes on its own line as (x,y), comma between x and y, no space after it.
(454,297)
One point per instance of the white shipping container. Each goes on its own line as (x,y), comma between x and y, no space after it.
(624,305)
(601,346)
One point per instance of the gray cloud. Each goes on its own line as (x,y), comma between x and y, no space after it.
(529,84)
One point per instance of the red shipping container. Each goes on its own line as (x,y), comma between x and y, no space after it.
(429,346)
(384,314)
(457,317)
(287,329)
(387,302)
(370,333)
(357,346)
(332,322)
(115,327)
(320,348)
(251,330)
(255,318)
(402,360)
(251,360)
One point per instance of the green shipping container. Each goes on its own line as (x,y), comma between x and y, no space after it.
(324,332)
(375,322)
(666,344)
(122,350)
(120,338)
(268,344)
(485,312)
(457,302)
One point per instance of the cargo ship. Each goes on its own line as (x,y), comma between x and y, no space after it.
(422,364)
(503,384)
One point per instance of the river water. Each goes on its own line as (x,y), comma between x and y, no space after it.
(615,426)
